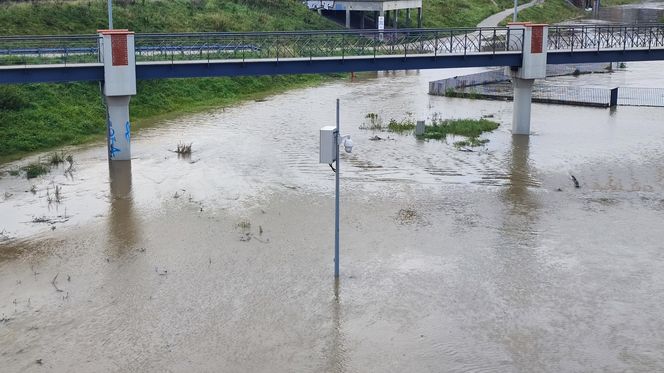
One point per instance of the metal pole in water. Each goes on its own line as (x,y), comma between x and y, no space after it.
(336,201)
(516,11)
(110,14)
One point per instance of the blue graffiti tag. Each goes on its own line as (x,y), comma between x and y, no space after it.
(128,131)
(112,150)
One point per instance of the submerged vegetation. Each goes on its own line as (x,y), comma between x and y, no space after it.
(471,128)
(374,122)
(437,129)
(35,169)
(44,165)
(183,149)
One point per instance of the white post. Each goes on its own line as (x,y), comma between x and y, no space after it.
(117,55)
(347,17)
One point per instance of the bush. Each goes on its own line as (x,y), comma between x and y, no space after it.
(11,98)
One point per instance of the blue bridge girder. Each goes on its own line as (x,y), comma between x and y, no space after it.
(50,59)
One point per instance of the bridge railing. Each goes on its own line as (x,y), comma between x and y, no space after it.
(37,50)
(318,44)
(606,37)
(32,50)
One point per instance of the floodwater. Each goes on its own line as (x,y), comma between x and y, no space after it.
(450,261)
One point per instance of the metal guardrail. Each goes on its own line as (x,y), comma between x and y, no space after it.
(30,50)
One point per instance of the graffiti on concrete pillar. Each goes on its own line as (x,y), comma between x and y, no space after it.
(128,131)
(320,4)
(112,150)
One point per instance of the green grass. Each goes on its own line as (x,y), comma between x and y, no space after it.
(87,16)
(551,11)
(461,13)
(471,128)
(606,3)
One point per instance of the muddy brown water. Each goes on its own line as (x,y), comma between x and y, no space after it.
(450,261)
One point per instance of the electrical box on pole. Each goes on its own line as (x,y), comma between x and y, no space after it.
(328,144)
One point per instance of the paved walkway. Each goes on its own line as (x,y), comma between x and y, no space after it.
(495,19)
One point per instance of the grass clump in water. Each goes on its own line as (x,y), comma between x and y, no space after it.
(57,158)
(35,169)
(471,128)
(470,142)
(183,149)
(372,122)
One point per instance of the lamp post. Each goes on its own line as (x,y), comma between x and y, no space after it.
(516,11)
(110,14)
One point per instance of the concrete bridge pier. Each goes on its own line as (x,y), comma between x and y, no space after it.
(119,128)
(533,38)
(116,52)
(523,94)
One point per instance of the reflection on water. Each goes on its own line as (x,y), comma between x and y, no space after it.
(337,352)
(647,12)
(122,225)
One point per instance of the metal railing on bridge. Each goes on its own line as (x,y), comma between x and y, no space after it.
(605,37)
(339,44)
(320,44)
(32,50)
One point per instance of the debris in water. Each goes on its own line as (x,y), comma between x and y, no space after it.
(576,182)
(407,216)
(53,282)
(375,138)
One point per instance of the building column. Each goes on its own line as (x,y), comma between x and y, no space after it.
(419,17)
(362,20)
(387,19)
(523,96)
(396,19)
(347,18)
(408,16)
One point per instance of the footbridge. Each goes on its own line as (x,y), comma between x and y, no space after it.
(119,57)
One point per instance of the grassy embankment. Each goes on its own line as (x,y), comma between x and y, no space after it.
(551,11)
(41,116)
(555,11)
(461,13)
